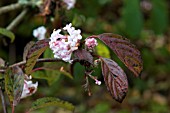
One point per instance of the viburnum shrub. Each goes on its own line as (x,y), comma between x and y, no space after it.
(68,45)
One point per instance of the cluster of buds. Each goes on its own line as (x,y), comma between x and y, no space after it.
(64,45)
(29,88)
(91,43)
(39,33)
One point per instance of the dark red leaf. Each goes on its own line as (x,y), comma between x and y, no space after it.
(26,49)
(126,51)
(115,79)
(83,56)
(33,54)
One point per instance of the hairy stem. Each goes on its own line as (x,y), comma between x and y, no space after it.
(10,7)
(3,101)
(17,20)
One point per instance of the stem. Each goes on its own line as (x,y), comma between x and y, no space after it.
(3,101)
(13,109)
(10,7)
(38,61)
(17,20)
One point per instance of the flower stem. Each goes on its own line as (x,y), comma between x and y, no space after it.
(3,101)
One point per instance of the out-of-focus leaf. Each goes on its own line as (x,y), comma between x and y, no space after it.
(83,56)
(33,54)
(2,62)
(115,79)
(7,33)
(48,53)
(1,76)
(159,16)
(26,49)
(102,50)
(14,81)
(132,17)
(126,51)
(51,101)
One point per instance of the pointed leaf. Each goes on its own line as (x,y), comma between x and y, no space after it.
(51,101)
(33,54)
(115,79)
(7,33)
(83,56)
(126,51)
(26,49)
(14,81)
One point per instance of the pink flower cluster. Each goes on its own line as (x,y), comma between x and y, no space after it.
(39,33)
(29,88)
(64,45)
(91,43)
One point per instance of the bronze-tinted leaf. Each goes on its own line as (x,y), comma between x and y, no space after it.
(115,79)
(14,82)
(26,49)
(83,56)
(33,54)
(126,51)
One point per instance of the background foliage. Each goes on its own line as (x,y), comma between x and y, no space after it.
(144,22)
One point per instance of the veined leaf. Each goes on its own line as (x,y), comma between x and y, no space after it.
(26,49)
(51,101)
(115,79)
(7,33)
(126,51)
(14,82)
(33,54)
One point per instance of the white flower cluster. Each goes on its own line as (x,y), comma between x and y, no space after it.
(39,33)
(70,3)
(64,45)
(29,88)
(91,43)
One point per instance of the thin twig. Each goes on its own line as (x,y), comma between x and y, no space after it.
(3,101)
(10,7)
(17,19)
(38,61)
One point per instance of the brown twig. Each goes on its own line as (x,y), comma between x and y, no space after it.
(38,61)
(17,19)
(10,7)
(3,101)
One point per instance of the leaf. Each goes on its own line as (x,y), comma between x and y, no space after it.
(7,33)
(14,82)
(51,101)
(102,50)
(132,17)
(115,79)
(126,51)
(26,49)
(83,56)
(159,16)
(33,54)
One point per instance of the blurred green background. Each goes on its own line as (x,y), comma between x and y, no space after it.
(144,22)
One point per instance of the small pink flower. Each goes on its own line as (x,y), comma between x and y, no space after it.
(98,82)
(39,33)
(29,88)
(91,43)
(70,3)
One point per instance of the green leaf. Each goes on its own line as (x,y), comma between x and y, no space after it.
(33,54)
(159,16)
(1,76)
(132,17)
(51,101)
(7,33)
(102,50)
(14,81)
